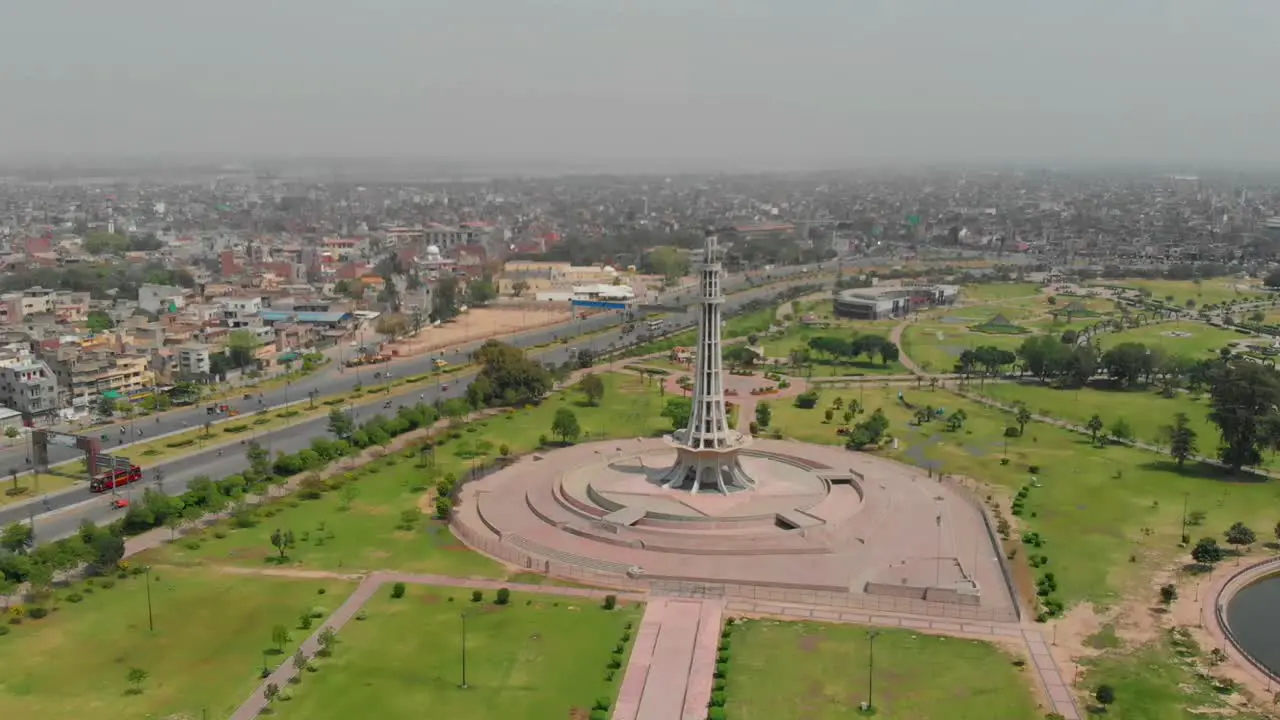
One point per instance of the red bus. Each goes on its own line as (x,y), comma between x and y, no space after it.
(116,478)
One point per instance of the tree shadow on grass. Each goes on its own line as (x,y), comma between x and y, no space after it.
(1205,471)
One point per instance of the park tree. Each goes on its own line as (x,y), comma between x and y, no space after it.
(668,262)
(519,287)
(955,421)
(98,321)
(1022,416)
(135,677)
(241,345)
(1244,397)
(593,387)
(565,425)
(1239,535)
(740,356)
(282,541)
(392,324)
(1207,552)
(764,414)
(270,693)
(1128,362)
(299,661)
(1168,593)
(1272,280)
(280,637)
(341,425)
(507,377)
(481,291)
(17,538)
(327,640)
(678,410)
(1121,429)
(106,550)
(444,299)
(1181,438)
(1094,426)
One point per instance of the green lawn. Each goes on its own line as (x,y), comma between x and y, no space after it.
(998,291)
(368,534)
(205,654)
(1201,340)
(1212,291)
(30,487)
(812,671)
(1097,508)
(1144,410)
(936,346)
(540,657)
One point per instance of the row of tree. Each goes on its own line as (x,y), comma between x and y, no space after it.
(835,348)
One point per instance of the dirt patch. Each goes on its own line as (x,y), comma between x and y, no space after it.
(375,510)
(578,713)
(427,502)
(809,643)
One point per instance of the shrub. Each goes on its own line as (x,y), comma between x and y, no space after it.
(397,590)
(615,661)
(37,612)
(219,533)
(4,630)
(321,591)
(107,584)
(599,715)
(237,428)
(318,612)
(722,670)
(717,698)
(602,703)
(362,615)
(717,685)
(724,644)
(716,713)
(504,597)
(722,656)
(610,601)
(75,597)
(476,596)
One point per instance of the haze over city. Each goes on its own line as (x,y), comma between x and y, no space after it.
(664,85)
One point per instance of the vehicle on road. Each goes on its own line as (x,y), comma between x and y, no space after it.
(440,363)
(112,478)
(119,504)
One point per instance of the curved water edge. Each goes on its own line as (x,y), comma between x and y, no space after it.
(1246,611)
(1253,617)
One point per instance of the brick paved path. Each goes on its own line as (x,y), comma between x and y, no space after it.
(672,663)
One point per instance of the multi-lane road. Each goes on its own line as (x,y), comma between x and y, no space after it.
(58,515)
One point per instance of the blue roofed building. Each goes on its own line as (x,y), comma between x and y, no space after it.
(316,319)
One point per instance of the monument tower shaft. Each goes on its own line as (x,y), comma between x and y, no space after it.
(709,420)
(707,448)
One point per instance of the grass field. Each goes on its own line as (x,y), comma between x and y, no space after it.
(537,661)
(369,534)
(31,486)
(1212,291)
(205,654)
(937,346)
(1200,342)
(811,671)
(1098,507)
(998,291)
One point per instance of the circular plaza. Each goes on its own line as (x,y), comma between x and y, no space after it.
(819,518)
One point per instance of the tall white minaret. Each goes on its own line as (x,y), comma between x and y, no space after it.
(708,448)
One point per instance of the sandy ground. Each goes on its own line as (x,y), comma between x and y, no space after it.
(477,324)
(1140,620)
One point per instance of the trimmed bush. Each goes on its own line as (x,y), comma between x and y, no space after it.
(602,703)
(716,713)
(397,590)
(599,715)
(4,630)
(476,596)
(107,584)
(717,685)
(717,698)
(722,656)
(75,597)
(37,612)
(504,597)
(615,661)
(722,670)
(610,602)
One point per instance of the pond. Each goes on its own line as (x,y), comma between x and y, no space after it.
(1253,615)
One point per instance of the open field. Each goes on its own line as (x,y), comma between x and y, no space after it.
(479,323)
(539,657)
(812,671)
(988,292)
(1200,341)
(936,346)
(205,655)
(1212,291)
(370,533)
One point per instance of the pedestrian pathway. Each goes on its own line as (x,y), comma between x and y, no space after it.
(672,663)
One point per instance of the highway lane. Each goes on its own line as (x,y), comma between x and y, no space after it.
(58,515)
(335,379)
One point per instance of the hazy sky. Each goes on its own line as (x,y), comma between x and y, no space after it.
(692,83)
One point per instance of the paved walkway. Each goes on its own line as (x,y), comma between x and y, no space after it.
(1051,678)
(672,663)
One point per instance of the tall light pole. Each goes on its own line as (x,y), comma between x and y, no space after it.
(464,651)
(871,666)
(1183,535)
(151,621)
(937,580)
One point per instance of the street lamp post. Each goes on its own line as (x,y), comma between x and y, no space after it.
(1183,534)
(871,667)
(464,651)
(151,621)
